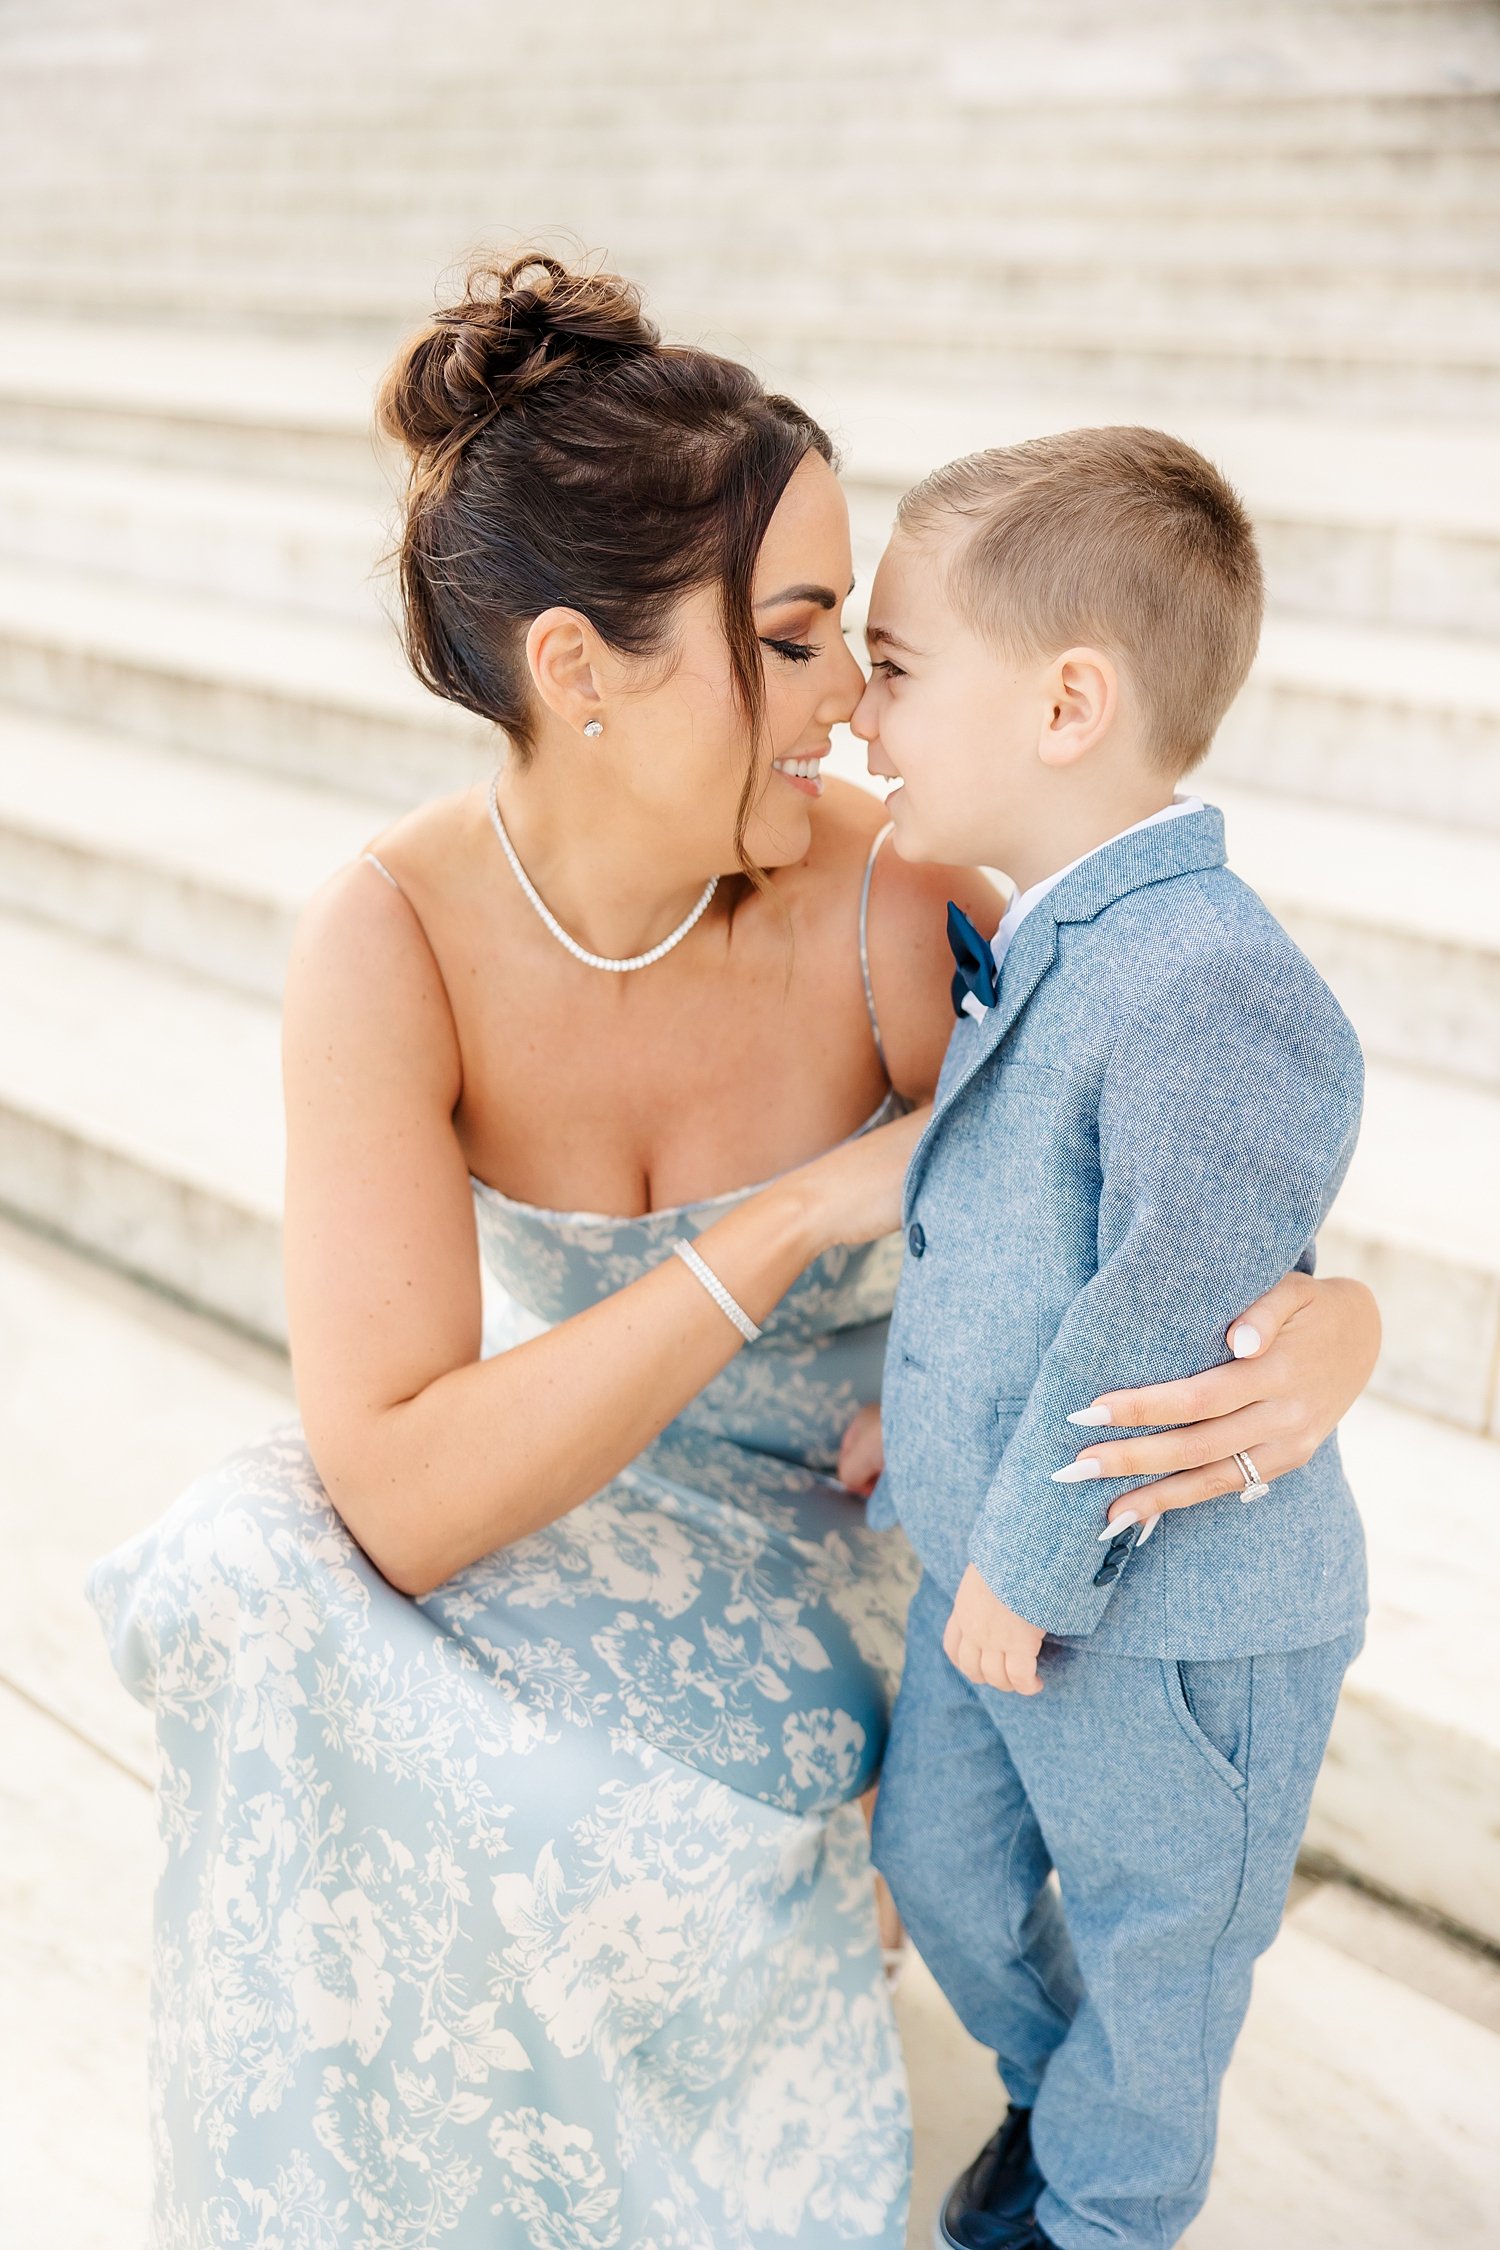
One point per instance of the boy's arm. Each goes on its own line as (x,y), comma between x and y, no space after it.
(1228,1115)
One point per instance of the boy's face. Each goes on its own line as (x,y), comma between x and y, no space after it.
(954,721)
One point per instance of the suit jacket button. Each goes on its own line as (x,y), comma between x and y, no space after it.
(1107,1573)
(916,1240)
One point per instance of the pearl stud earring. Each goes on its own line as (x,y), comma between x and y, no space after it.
(595,726)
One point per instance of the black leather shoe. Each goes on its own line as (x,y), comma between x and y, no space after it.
(990,2206)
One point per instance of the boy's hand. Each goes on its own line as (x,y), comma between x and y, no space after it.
(862,1454)
(988,1642)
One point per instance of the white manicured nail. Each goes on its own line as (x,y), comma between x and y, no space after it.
(1091,1418)
(1147,1528)
(1078,1472)
(1245,1341)
(1121,1523)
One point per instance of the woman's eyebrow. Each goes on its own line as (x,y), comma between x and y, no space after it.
(821,597)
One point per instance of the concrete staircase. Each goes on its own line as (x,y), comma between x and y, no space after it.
(1270,228)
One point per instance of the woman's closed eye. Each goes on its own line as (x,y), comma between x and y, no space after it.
(795,652)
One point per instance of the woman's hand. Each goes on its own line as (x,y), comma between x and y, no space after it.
(853,1194)
(862,1454)
(1302,1356)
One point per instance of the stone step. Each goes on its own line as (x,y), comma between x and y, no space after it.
(1380,90)
(1403,919)
(1405,723)
(1367,365)
(315,698)
(185,860)
(310,549)
(1374,371)
(1381,525)
(169,1393)
(1019,188)
(222,403)
(1406,1800)
(75,1922)
(1319,273)
(1419,1221)
(392,179)
(1323,2144)
(140,1117)
(1375,523)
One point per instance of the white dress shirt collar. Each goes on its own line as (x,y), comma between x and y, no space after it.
(1021,905)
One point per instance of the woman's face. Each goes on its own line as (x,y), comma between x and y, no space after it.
(684,735)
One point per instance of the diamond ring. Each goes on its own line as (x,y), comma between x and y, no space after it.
(1256,1486)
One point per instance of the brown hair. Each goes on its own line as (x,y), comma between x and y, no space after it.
(561,453)
(1124,537)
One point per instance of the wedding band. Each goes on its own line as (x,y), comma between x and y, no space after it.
(1256,1486)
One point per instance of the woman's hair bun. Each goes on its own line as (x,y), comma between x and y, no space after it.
(515,327)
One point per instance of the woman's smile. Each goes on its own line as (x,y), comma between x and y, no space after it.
(804,773)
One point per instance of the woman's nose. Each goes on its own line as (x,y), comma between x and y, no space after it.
(862,717)
(852,688)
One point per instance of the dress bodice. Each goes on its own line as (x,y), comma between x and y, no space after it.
(791,1394)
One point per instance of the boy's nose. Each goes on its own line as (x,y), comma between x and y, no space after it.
(862,718)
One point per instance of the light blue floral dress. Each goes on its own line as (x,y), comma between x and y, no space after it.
(535,1914)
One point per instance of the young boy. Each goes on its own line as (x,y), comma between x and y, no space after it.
(1148,1103)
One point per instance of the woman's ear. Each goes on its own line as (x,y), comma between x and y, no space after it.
(1083,697)
(563,654)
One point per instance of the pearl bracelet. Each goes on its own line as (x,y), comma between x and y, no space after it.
(703,1271)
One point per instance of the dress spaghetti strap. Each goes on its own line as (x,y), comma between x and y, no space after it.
(864,945)
(381,869)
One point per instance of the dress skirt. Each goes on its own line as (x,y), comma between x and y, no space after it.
(535,1914)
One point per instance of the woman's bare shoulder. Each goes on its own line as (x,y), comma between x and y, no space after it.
(363,988)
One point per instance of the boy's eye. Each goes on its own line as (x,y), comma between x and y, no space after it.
(795,652)
(884,669)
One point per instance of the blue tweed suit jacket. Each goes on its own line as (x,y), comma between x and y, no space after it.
(1141,1136)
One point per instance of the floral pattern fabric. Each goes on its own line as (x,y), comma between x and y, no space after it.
(535,1914)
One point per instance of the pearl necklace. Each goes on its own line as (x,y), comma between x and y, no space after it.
(579,952)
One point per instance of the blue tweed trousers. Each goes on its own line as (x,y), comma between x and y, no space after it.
(1170,1798)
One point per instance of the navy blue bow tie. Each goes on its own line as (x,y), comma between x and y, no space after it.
(976,964)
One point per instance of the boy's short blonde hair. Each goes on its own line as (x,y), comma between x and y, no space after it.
(1122,538)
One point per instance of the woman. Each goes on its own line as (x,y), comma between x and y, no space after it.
(513,1720)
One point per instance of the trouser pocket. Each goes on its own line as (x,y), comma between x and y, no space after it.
(1211,1702)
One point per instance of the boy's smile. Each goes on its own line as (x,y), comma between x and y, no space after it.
(941,716)
(1017,762)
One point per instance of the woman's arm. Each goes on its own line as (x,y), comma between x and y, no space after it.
(431,1456)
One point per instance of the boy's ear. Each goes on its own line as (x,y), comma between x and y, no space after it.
(563,654)
(1082,697)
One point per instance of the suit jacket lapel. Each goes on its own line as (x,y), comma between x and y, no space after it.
(1032,953)
(1182,846)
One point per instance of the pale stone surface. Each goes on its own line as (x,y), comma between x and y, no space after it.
(287,543)
(110,1404)
(187,860)
(1358,2112)
(1419,1220)
(1461,1977)
(76,1878)
(1409,1797)
(320,697)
